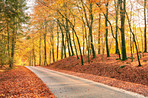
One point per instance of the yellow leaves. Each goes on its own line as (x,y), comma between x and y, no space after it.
(59,1)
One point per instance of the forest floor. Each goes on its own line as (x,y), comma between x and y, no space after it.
(108,70)
(21,82)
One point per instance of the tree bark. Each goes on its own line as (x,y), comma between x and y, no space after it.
(45,54)
(122,15)
(106,34)
(57,42)
(145,39)
(99,32)
(40,50)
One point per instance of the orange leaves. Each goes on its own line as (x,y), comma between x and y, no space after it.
(21,82)
(94,1)
(109,67)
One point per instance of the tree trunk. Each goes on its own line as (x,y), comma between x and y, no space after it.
(106,34)
(13,46)
(62,43)
(50,56)
(122,15)
(116,36)
(145,39)
(99,32)
(52,44)
(57,42)
(45,54)
(75,46)
(74,41)
(90,31)
(70,43)
(67,37)
(34,59)
(30,59)
(83,38)
(40,50)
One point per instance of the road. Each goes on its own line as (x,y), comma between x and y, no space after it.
(67,86)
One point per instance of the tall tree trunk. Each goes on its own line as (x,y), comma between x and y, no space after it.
(131,48)
(122,15)
(52,43)
(145,39)
(13,46)
(106,34)
(62,42)
(67,37)
(99,32)
(83,38)
(52,50)
(65,55)
(141,41)
(116,35)
(88,48)
(40,50)
(30,59)
(50,56)
(74,41)
(8,42)
(90,31)
(57,42)
(75,45)
(70,43)
(45,54)
(62,45)
(34,57)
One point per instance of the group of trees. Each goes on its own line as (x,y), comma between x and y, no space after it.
(64,28)
(12,16)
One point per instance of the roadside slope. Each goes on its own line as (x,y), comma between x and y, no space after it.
(108,67)
(108,71)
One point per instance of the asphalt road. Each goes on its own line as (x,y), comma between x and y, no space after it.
(67,86)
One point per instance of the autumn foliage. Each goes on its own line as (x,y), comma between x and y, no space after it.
(21,82)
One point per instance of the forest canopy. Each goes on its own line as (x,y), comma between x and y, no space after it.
(58,29)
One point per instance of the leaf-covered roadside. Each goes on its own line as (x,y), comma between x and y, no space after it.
(21,82)
(129,86)
(120,74)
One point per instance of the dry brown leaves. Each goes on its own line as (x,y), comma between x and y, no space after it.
(21,82)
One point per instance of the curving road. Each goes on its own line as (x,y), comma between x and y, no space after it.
(67,86)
